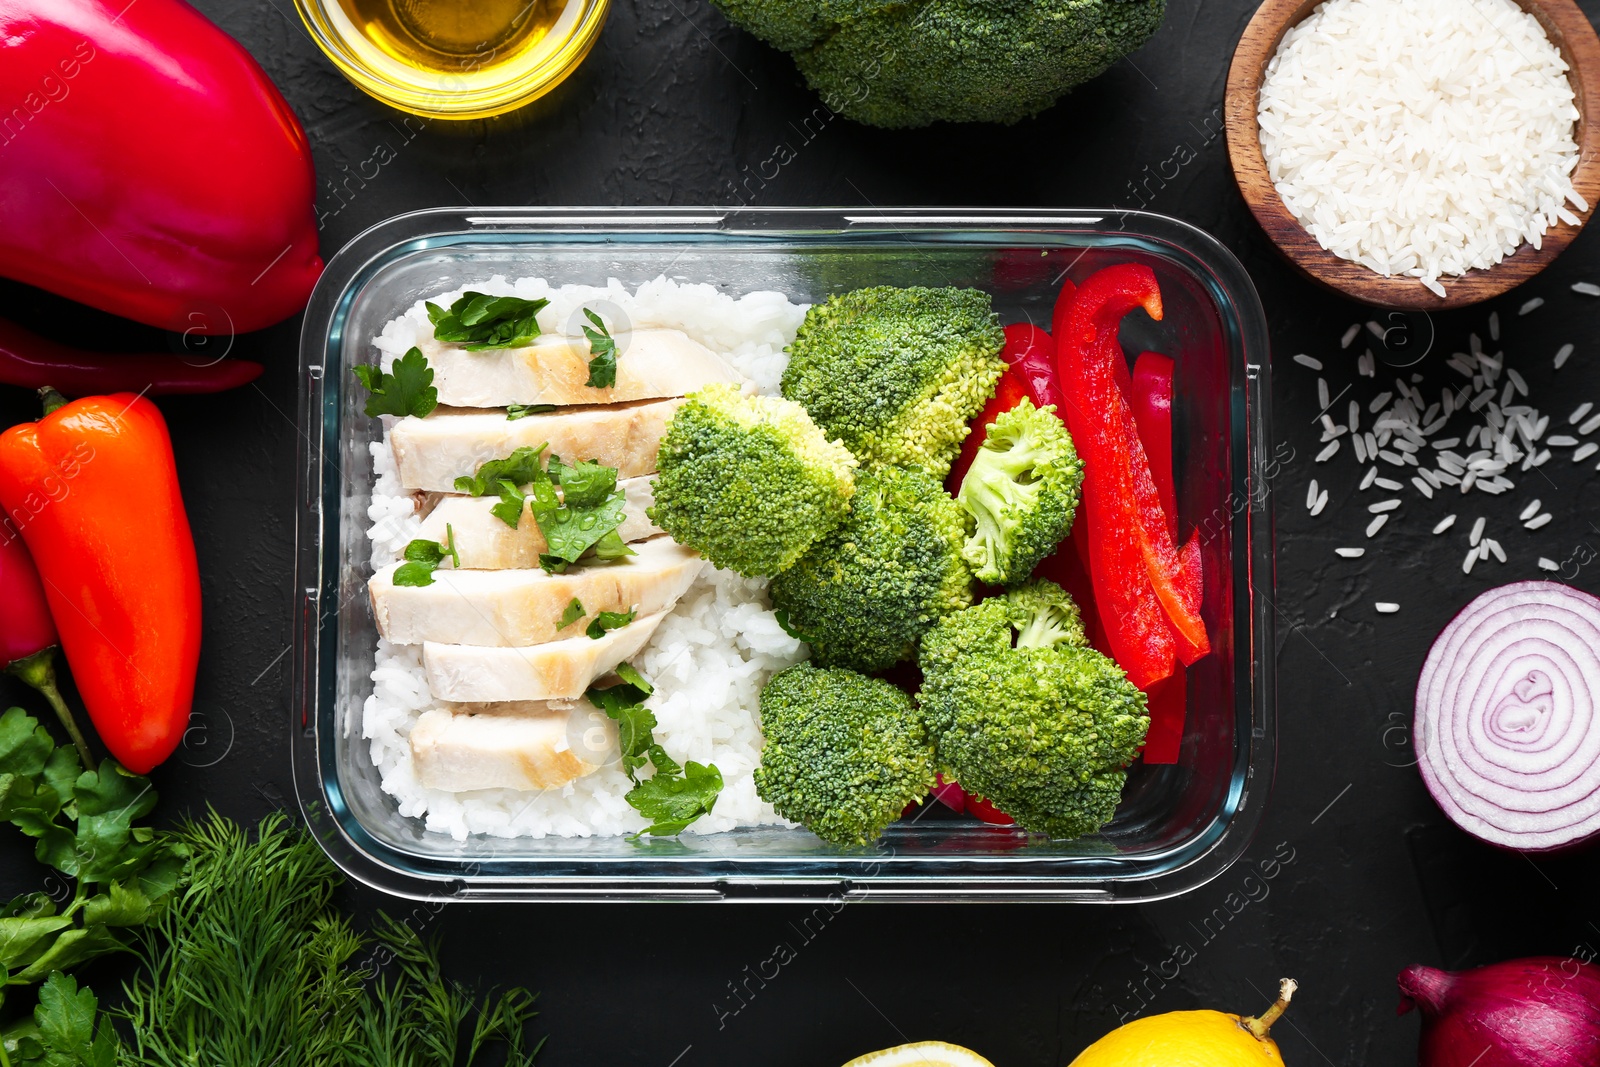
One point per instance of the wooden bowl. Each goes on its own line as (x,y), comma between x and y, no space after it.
(1567,28)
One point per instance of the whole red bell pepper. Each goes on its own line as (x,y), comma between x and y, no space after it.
(149,167)
(93,490)
(1145,588)
(28,635)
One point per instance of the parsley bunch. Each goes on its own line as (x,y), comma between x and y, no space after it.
(478,321)
(580,521)
(82,822)
(676,795)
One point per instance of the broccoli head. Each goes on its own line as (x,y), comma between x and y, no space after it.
(1021,492)
(844,753)
(1026,715)
(749,482)
(897,373)
(865,593)
(904,64)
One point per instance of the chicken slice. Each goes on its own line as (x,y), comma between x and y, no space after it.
(506,609)
(555,670)
(485,542)
(553,370)
(526,746)
(432,452)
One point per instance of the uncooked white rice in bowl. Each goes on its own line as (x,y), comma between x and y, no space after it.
(1422,138)
(708,660)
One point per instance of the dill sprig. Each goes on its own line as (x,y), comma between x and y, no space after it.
(249,964)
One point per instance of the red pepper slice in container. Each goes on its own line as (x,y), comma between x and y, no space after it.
(1132,559)
(1008,394)
(1152,413)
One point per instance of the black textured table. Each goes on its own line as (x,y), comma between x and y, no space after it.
(1354,874)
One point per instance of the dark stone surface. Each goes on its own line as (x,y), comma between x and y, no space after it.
(670,109)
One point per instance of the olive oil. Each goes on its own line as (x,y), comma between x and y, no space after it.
(465,38)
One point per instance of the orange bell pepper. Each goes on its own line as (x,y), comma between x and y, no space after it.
(93,490)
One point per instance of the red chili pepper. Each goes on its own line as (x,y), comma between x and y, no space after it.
(1127,525)
(35,362)
(149,167)
(94,492)
(28,635)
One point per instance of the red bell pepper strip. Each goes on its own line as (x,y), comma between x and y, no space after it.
(1008,393)
(983,808)
(1120,495)
(149,167)
(1166,699)
(1152,413)
(28,636)
(1035,363)
(35,362)
(94,492)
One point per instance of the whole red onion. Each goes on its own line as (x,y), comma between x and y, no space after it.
(1543,1011)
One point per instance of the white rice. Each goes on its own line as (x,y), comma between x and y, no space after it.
(1421,138)
(708,660)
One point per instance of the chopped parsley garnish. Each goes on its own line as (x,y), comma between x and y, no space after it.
(478,321)
(422,558)
(609,620)
(572,614)
(675,796)
(602,353)
(519,468)
(407,388)
(522,411)
(580,520)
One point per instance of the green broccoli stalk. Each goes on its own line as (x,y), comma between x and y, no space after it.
(749,482)
(913,63)
(865,593)
(844,753)
(1021,492)
(1044,729)
(897,374)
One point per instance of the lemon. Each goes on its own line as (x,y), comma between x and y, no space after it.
(922,1054)
(1191,1039)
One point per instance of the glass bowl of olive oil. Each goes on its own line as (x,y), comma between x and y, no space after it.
(455,59)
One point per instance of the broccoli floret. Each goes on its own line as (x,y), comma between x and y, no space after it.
(1021,491)
(844,753)
(865,593)
(897,373)
(1045,727)
(914,63)
(749,482)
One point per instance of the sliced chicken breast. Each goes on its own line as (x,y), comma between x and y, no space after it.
(555,670)
(484,542)
(506,609)
(432,452)
(525,746)
(553,370)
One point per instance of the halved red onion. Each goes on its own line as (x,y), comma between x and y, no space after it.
(1507,728)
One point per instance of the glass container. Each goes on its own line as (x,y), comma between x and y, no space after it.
(1178,826)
